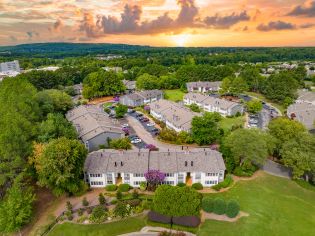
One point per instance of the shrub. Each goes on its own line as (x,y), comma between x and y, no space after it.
(189,221)
(135,194)
(143,186)
(98,215)
(122,210)
(239,171)
(69,206)
(114,201)
(101,199)
(232,208)
(224,184)
(111,187)
(219,206)
(70,217)
(197,186)
(89,210)
(123,143)
(85,202)
(80,212)
(181,184)
(119,195)
(177,201)
(207,204)
(133,202)
(124,187)
(157,217)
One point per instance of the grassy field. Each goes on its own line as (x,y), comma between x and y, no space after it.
(111,229)
(276,206)
(227,123)
(174,95)
(262,97)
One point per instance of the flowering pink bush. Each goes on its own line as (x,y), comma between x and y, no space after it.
(154,178)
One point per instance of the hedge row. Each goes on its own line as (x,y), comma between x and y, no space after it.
(189,221)
(220,207)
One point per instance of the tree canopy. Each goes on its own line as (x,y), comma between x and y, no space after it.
(176,201)
(102,83)
(249,146)
(205,129)
(60,165)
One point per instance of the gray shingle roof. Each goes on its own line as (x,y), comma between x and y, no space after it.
(303,112)
(90,122)
(146,94)
(204,84)
(198,160)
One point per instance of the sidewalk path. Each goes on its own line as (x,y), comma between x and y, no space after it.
(150,230)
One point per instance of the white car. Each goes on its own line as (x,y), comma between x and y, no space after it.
(150,124)
(125,126)
(136,140)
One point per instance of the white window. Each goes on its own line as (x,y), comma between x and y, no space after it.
(169,175)
(168,182)
(95,175)
(180,178)
(136,183)
(198,176)
(138,175)
(210,182)
(97,183)
(127,176)
(109,179)
(212,174)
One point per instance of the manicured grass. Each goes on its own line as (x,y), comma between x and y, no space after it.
(227,123)
(174,95)
(277,206)
(262,97)
(109,229)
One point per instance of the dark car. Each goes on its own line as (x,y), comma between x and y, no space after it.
(144,119)
(154,130)
(139,115)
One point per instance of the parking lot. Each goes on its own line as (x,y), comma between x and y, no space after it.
(137,138)
(262,119)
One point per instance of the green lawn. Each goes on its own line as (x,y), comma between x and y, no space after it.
(174,95)
(111,229)
(262,97)
(227,123)
(276,206)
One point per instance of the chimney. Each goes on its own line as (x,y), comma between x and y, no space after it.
(192,163)
(186,163)
(121,163)
(115,164)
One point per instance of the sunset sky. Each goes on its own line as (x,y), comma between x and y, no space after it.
(160,22)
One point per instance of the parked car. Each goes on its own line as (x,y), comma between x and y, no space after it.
(145,119)
(139,115)
(151,124)
(136,140)
(253,121)
(125,125)
(131,111)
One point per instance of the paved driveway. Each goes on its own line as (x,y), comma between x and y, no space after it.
(147,137)
(276,169)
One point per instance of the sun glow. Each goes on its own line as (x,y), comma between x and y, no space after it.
(181,40)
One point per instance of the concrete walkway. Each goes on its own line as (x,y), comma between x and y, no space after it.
(150,230)
(277,169)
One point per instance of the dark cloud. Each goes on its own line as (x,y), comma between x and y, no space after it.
(306,26)
(128,23)
(56,26)
(187,13)
(225,22)
(276,25)
(130,20)
(88,25)
(302,10)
